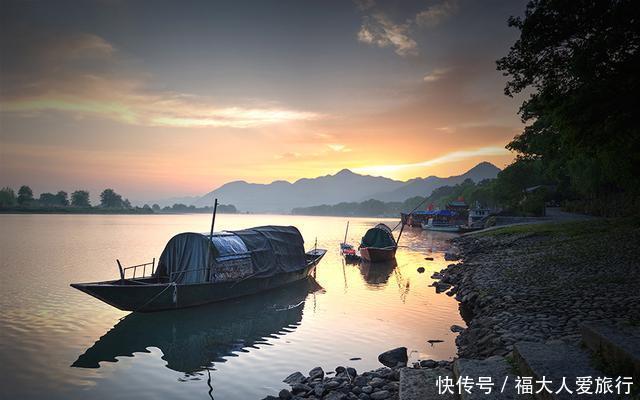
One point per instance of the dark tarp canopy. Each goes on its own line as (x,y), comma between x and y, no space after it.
(228,256)
(379,236)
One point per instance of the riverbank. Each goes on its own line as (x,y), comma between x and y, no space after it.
(521,283)
(541,282)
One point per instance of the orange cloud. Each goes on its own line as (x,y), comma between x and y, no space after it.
(70,88)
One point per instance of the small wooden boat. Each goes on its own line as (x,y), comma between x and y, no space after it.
(196,269)
(378,244)
(347,250)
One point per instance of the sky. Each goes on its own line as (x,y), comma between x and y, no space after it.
(164,98)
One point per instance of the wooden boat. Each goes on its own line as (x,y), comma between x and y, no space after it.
(378,244)
(443,221)
(197,269)
(441,226)
(347,250)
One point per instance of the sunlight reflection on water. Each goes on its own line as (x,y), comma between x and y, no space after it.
(250,345)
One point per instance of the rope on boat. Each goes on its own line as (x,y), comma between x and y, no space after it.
(175,295)
(410,212)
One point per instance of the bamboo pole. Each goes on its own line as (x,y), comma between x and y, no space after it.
(345,234)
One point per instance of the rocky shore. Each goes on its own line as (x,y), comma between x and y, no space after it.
(541,282)
(347,384)
(532,283)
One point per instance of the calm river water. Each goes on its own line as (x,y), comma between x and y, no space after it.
(59,343)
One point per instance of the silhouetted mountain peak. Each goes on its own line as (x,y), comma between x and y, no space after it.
(344,186)
(345,172)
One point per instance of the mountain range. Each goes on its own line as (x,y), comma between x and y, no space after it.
(344,186)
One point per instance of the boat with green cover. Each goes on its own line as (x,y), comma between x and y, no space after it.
(197,269)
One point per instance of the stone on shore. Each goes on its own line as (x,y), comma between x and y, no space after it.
(556,360)
(380,395)
(395,357)
(420,384)
(456,329)
(335,396)
(428,364)
(294,378)
(496,368)
(316,373)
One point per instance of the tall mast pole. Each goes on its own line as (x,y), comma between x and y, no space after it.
(213,218)
(345,234)
(213,222)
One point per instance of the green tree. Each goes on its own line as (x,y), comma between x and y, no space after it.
(155,207)
(48,200)
(62,199)
(25,195)
(7,197)
(110,199)
(80,198)
(579,61)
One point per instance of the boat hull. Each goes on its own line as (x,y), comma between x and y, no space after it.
(167,296)
(374,254)
(441,228)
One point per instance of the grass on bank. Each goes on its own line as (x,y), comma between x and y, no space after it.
(570,229)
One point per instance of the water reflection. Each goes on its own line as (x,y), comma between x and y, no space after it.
(194,338)
(377,274)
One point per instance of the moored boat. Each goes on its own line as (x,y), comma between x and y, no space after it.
(441,226)
(347,250)
(442,221)
(378,244)
(197,269)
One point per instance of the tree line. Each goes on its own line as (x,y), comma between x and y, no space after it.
(80,201)
(578,62)
(510,192)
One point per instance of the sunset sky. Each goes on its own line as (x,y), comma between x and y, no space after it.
(160,98)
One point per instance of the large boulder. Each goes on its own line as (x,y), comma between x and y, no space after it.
(395,357)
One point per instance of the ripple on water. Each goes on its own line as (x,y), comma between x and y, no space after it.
(46,325)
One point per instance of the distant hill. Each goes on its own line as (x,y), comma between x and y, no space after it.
(424,186)
(345,186)
(282,196)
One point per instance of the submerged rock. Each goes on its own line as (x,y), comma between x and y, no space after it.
(394,357)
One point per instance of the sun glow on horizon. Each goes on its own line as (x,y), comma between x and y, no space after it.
(456,156)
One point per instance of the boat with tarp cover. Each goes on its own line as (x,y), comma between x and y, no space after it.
(197,269)
(378,244)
